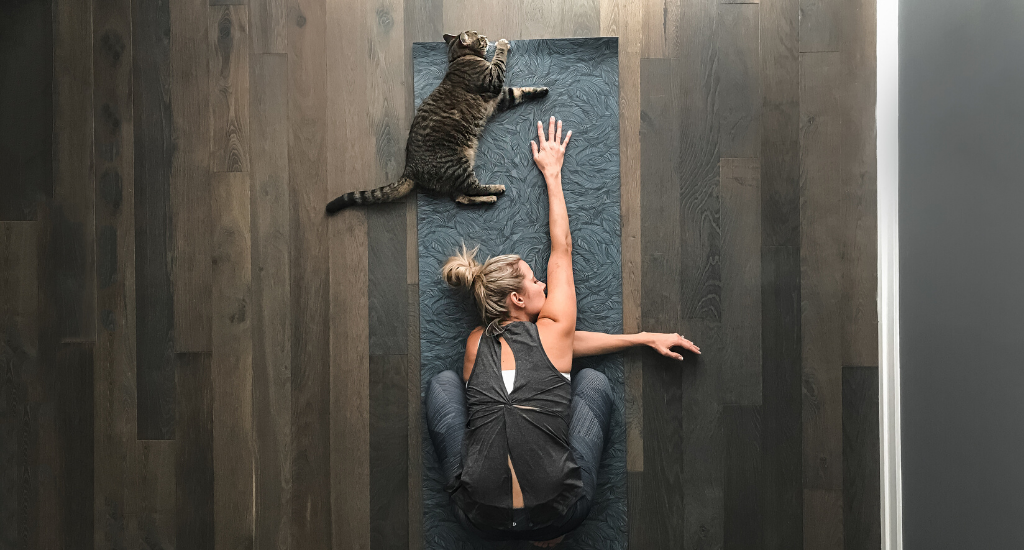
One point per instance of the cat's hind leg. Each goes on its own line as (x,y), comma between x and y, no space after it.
(510,97)
(466,199)
(473,192)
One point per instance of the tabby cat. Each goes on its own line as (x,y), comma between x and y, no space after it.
(446,130)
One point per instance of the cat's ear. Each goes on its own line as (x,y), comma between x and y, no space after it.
(464,39)
(449,37)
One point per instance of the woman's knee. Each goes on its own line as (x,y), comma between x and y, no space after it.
(443,386)
(594,384)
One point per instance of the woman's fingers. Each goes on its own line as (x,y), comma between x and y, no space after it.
(551,128)
(567,136)
(558,139)
(533,145)
(540,133)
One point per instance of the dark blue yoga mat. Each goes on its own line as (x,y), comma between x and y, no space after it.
(583,75)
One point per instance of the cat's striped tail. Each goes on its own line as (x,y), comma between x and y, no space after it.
(388,193)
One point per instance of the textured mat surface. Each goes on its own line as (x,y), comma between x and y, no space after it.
(583,76)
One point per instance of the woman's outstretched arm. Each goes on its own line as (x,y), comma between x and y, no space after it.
(556,321)
(585,344)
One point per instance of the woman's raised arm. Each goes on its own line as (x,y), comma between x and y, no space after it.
(560,306)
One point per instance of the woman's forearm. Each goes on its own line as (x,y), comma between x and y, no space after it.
(558,215)
(586,344)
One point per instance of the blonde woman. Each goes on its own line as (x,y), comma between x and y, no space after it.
(519,442)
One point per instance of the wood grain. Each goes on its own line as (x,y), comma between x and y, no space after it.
(229,88)
(780,124)
(232,362)
(190,174)
(820,273)
(196,519)
(389,485)
(662,522)
(739,90)
(741,280)
(269,20)
(75,464)
(781,422)
(154,517)
(153,150)
(351,167)
(696,87)
(73,208)
(311,334)
(26,114)
(742,514)
(823,519)
(820,26)
(114,381)
(661,29)
(19,339)
(859,187)
(861,499)
(271,300)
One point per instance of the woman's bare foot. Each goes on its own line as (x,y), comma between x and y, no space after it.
(548,543)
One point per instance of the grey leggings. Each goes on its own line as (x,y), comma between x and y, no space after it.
(591,411)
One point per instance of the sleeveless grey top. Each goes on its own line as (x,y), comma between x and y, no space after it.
(529,426)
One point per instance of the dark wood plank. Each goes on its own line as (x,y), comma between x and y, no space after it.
(661,497)
(193,452)
(780,124)
(190,174)
(781,431)
(742,513)
(823,519)
(114,380)
(154,524)
(739,72)
(820,283)
(311,335)
(271,311)
(73,208)
(862,528)
(820,25)
(229,88)
(352,166)
(386,224)
(228,2)
(703,435)
(695,78)
(741,280)
(232,361)
(661,33)
(269,19)
(635,509)
(859,177)
(26,112)
(18,362)
(415,422)
(386,232)
(74,400)
(389,455)
(153,147)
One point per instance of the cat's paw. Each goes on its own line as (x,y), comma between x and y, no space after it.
(540,92)
(503,44)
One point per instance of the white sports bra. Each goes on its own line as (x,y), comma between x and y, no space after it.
(509,376)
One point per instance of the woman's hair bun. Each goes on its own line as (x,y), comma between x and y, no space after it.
(462,269)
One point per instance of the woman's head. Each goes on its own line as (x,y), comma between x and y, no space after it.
(503,287)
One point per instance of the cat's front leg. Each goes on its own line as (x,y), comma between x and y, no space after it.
(494,80)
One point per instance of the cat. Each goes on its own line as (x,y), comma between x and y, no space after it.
(445,132)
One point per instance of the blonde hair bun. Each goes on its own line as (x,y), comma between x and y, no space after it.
(462,269)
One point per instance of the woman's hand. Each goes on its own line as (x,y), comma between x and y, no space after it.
(662,343)
(551,151)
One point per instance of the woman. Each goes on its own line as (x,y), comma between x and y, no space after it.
(521,443)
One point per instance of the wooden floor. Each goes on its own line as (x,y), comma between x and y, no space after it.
(193,356)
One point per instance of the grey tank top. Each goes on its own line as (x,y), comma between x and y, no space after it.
(529,426)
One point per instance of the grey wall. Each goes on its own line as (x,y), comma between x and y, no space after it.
(962,272)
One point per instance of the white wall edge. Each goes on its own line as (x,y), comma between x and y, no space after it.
(887,124)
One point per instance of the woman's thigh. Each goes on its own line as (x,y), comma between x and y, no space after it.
(588,429)
(446,420)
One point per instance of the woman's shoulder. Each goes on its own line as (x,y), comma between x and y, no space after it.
(472,345)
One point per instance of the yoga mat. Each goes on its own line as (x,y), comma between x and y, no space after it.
(583,75)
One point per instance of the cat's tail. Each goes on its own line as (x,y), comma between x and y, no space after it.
(388,193)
